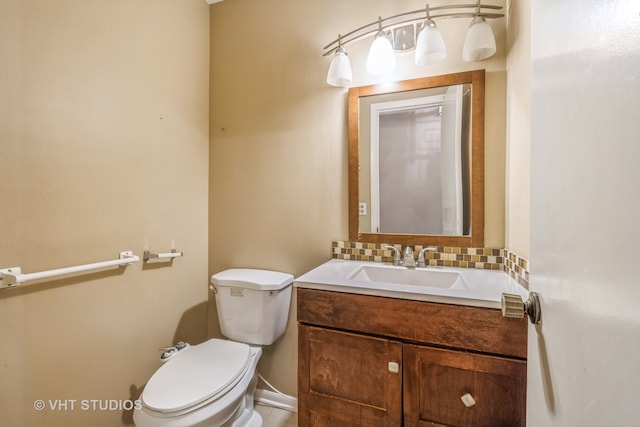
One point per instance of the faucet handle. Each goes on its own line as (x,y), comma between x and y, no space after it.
(397,257)
(421,260)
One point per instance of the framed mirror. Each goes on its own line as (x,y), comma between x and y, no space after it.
(416,161)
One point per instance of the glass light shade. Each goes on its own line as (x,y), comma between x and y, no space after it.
(381,59)
(340,69)
(479,43)
(430,47)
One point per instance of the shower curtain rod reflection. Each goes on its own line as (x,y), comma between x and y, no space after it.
(12,277)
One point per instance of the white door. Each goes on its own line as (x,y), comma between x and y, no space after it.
(584,359)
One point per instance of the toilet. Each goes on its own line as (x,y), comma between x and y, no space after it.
(213,383)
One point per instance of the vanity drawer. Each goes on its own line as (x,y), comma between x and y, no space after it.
(469,328)
(437,382)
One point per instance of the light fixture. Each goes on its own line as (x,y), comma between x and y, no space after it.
(340,69)
(397,34)
(381,59)
(430,48)
(404,38)
(479,43)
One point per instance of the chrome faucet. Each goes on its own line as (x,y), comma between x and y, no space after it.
(409,260)
(396,255)
(421,260)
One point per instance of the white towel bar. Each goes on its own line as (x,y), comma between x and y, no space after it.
(10,277)
(148,255)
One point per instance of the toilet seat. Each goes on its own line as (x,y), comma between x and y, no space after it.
(197,376)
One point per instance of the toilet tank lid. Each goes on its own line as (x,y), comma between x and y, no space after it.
(250,278)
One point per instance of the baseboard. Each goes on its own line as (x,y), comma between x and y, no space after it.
(273,399)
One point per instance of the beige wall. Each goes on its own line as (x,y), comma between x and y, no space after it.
(278,178)
(518,128)
(104,139)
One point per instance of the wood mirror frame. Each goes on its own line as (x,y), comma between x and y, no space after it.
(476,237)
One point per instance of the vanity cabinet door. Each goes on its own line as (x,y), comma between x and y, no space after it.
(438,383)
(348,379)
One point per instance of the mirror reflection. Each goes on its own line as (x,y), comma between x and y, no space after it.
(414,164)
(415,161)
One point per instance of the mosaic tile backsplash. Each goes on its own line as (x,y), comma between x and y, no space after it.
(444,256)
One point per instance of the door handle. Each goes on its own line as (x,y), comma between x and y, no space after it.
(515,308)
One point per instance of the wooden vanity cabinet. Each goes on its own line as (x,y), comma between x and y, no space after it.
(348,382)
(376,361)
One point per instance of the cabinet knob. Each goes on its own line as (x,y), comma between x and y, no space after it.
(393,367)
(468,400)
(514,307)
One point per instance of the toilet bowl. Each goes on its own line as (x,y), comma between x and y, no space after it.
(213,383)
(205,385)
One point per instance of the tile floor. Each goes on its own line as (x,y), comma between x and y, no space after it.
(274,417)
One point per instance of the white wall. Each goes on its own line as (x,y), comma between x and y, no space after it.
(518,128)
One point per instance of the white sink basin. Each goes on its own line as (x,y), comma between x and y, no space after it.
(406,276)
(461,286)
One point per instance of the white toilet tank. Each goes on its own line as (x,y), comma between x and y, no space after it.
(253,305)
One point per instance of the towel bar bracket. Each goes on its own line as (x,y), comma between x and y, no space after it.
(128,256)
(10,270)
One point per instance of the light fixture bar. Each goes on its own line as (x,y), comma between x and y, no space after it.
(392,22)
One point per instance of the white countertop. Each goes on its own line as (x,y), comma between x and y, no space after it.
(482,288)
